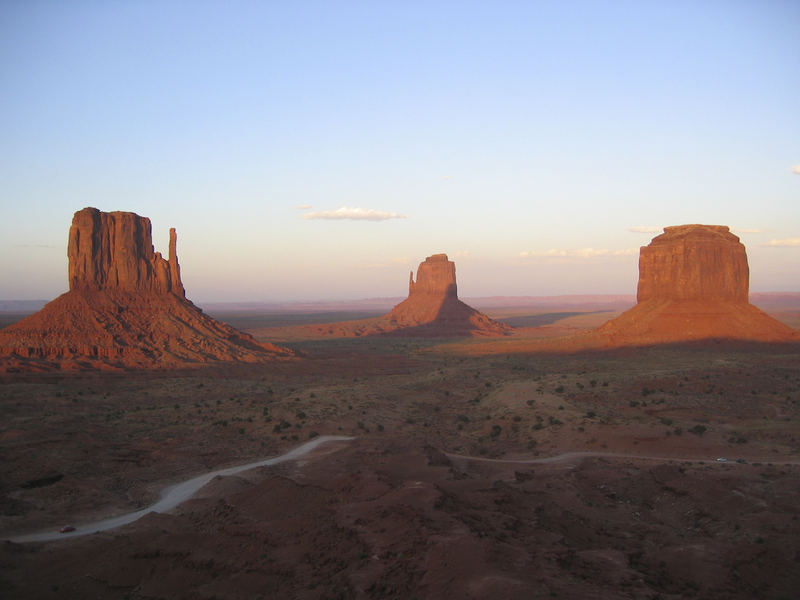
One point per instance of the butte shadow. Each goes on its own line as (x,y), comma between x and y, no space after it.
(126,308)
(432,309)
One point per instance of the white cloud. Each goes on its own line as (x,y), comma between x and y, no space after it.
(460,254)
(785,243)
(355,214)
(577,253)
(743,230)
(796,169)
(304,206)
(645,229)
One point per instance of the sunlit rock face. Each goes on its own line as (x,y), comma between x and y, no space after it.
(125,308)
(693,285)
(114,251)
(436,278)
(433,306)
(432,309)
(694,262)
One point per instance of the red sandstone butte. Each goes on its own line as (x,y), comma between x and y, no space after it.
(433,306)
(125,308)
(432,309)
(693,284)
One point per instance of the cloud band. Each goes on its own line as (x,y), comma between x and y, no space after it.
(353,214)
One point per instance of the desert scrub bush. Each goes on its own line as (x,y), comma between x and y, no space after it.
(496,429)
(698,429)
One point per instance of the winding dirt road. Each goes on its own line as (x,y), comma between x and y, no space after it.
(570,456)
(173,495)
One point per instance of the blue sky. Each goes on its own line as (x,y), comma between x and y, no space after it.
(524,139)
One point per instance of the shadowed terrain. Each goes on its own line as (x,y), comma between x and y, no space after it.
(401,511)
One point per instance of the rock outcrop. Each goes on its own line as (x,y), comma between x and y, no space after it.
(694,262)
(126,308)
(693,285)
(432,309)
(114,251)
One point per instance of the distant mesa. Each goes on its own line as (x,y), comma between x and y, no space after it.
(432,309)
(126,308)
(693,285)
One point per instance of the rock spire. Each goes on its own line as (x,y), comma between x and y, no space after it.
(114,251)
(126,308)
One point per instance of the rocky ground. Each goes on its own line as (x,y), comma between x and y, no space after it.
(400,512)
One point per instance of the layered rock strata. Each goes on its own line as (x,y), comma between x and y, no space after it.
(694,262)
(693,284)
(114,251)
(432,309)
(126,308)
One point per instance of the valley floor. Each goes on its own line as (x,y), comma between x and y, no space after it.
(412,507)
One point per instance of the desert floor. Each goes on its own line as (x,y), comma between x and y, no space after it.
(584,476)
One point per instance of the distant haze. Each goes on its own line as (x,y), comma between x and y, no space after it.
(321,151)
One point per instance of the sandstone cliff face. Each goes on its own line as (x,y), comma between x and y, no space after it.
(126,308)
(114,251)
(432,309)
(694,262)
(436,278)
(693,285)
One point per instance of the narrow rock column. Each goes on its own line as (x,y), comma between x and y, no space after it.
(174,267)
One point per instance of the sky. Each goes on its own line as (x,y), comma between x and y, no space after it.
(321,150)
